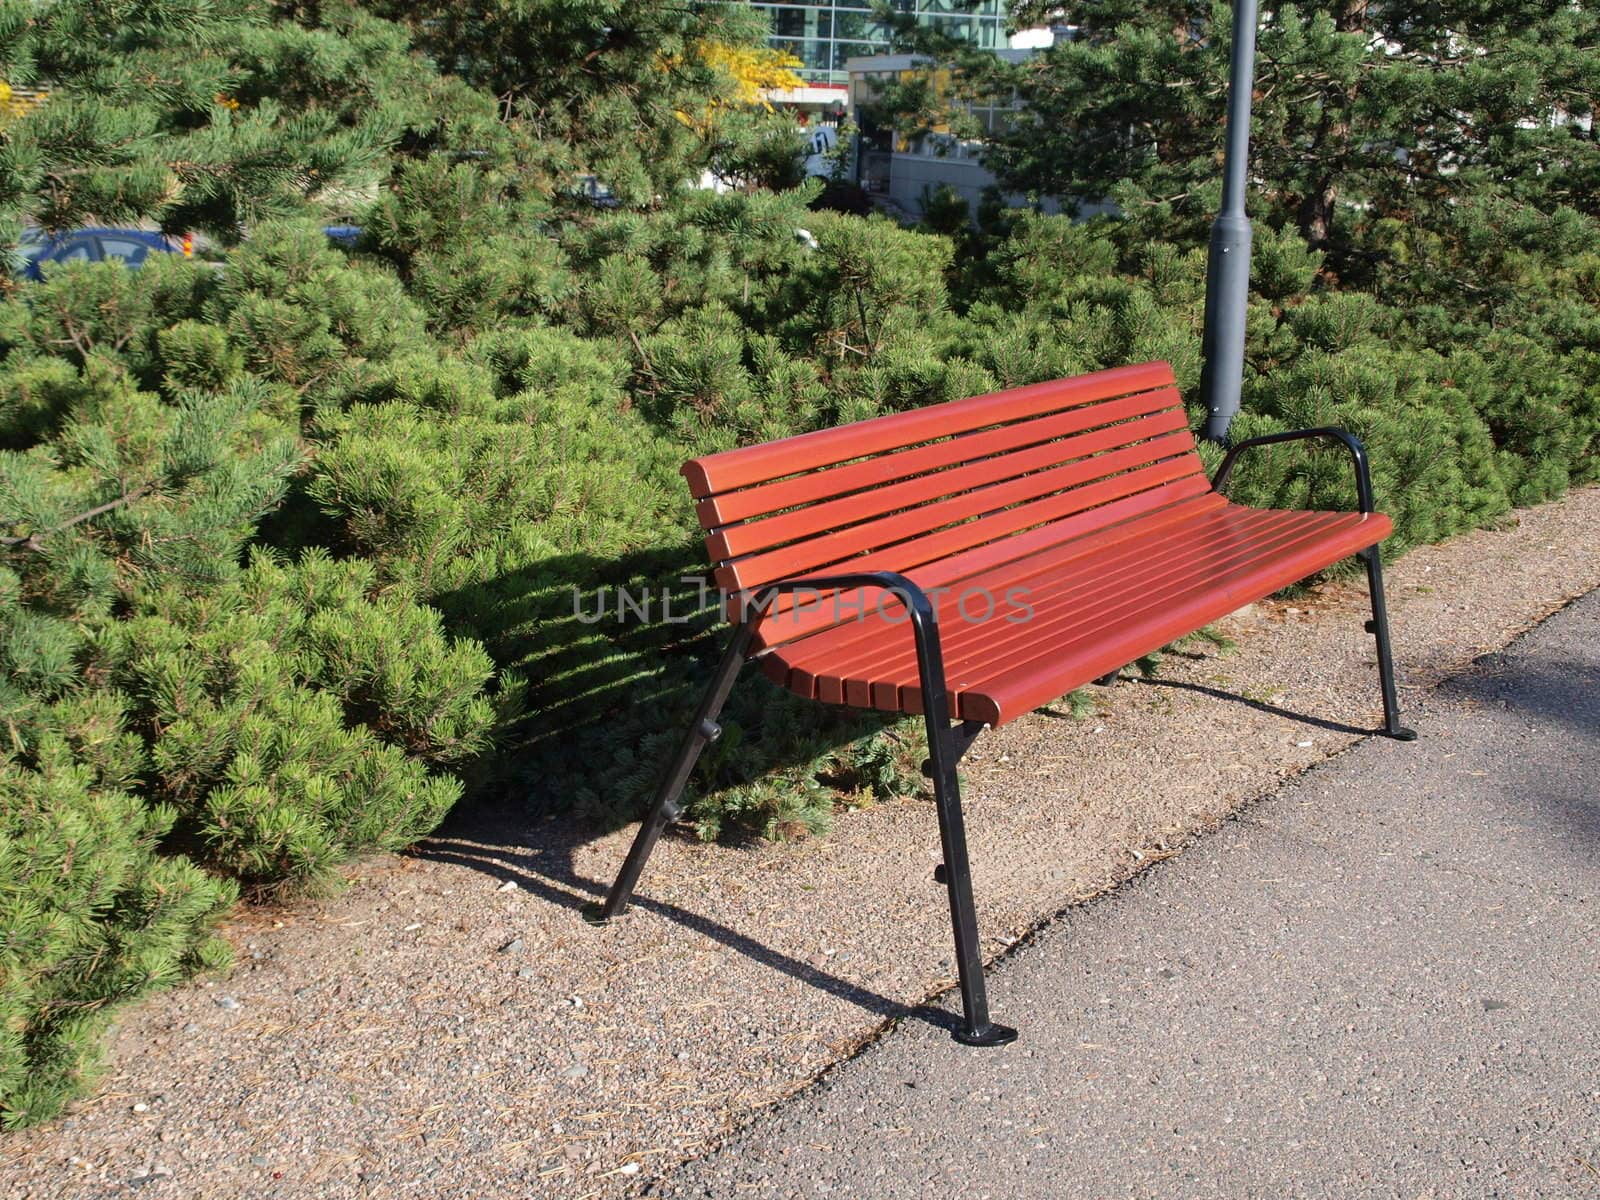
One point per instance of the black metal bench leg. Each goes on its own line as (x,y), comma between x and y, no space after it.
(702,731)
(976,1029)
(1378,627)
(943,753)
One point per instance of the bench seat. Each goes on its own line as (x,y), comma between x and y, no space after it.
(1023,634)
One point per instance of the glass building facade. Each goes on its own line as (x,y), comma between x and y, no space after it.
(826,33)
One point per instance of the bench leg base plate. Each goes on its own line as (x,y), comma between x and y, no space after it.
(1400,734)
(994,1035)
(594,913)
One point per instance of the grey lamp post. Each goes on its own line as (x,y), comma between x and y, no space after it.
(1228,268)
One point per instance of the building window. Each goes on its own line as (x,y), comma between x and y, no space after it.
(825,34)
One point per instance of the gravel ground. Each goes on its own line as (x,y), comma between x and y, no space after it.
(1380,981)
(437,1031)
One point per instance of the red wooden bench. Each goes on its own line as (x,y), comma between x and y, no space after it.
(977,559)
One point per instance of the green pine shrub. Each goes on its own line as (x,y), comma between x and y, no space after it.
(93,914)
(311,321)
(470,253)
(134,484)
(99,312)
(1433,465)
(295,715)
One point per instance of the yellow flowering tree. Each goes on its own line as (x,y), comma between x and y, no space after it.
(747,74)
(749,142)
(753,70)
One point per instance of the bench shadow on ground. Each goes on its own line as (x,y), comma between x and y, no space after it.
(1261,706)
(537,855)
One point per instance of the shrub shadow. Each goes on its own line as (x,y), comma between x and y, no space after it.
(611,688)
(1563,695)
(1528,696)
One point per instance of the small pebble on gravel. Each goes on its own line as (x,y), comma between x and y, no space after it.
(227,1002)
(576,1071)
(512,946)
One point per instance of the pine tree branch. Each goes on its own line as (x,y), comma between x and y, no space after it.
(33,540)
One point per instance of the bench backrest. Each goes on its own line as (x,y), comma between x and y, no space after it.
(965,479)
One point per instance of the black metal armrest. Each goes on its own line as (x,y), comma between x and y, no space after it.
(924,620)
(916,600)
(1358,455)
(924,627)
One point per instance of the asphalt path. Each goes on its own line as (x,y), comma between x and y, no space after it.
(1383,980)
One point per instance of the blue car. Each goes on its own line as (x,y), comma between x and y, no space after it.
(130,247)
(343,235)
(127,246)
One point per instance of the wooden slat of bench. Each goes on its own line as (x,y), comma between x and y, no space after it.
(1068,607)
(1057,658)
(727,507)
(1040,680)
(799,558)
(1243,535)
(828,447)
(954,553)
(1161,615)
(1094,550)
(1057,583)
(846,512)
